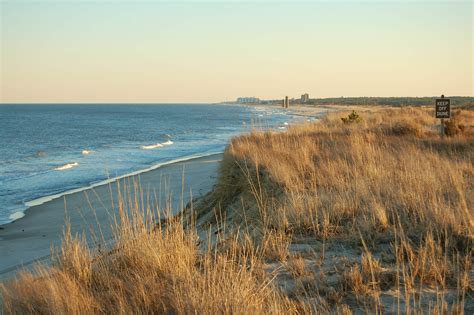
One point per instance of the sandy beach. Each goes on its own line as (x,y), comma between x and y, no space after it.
(29,239)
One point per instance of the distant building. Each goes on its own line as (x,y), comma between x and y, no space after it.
(305,98)
(248,100)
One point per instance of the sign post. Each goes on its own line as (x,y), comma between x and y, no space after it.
(443,110)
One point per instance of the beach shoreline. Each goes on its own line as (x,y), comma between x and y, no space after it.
(47,198)
(29,239)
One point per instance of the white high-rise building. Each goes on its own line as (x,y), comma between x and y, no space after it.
(248,100)
(304,98)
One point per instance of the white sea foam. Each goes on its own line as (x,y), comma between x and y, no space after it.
(157,145)
(66,166)
(16,215)
(151,146)
(285,123)
(85,152)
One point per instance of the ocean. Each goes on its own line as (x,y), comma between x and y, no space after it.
(47,150)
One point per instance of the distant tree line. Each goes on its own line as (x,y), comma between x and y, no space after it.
(466,102)
(458,101)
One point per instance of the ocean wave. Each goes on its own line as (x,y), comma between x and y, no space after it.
(151,146)
(85,152)
(157,145)
(66,166)
(16,215)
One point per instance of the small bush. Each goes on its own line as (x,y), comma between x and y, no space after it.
(352,118)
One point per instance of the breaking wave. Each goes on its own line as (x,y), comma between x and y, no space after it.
(157,145)
(151,146)
(66,166)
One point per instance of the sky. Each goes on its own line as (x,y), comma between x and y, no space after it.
(62,51)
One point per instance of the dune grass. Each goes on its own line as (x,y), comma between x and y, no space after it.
(384,184)
(372,215)
(150,269)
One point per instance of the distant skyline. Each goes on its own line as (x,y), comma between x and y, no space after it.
(178,52)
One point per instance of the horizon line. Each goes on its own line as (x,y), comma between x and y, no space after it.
(219,102)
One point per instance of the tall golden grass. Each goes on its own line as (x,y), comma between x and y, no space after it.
(374,216)
(331,178)
(388,185)
(150,269)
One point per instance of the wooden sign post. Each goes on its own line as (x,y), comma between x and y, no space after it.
(443,110)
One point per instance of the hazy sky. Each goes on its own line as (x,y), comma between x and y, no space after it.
(195,51)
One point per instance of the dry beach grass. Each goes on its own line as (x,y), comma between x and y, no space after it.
(371,215)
